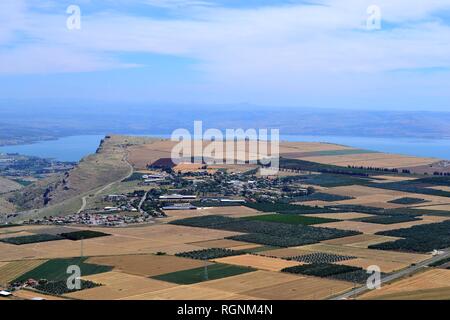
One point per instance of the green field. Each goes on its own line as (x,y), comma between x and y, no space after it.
(83,234)
(290,219)
(31,239)
(56,269)
(408,200)
(215,271)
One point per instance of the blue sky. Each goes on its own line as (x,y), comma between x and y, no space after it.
(316,53)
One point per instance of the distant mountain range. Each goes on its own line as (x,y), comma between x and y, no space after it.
(21,121)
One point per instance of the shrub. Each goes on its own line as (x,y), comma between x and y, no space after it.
(285,208)
(321,269)
(320,257)
(408,200)
(422,238)
(207,254)
(267,233)
(389,219)
(60,287)
(84,234)
(290,219)
(36,238)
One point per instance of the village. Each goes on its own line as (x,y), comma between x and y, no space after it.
(167,189)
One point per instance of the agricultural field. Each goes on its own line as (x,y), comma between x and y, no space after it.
(423,238)
(56,269)
(341,215)
(12,270)
(266,233)
(320,257)
(291,219)
(226,244)
(379,255)
(373,228)
(329,270)
(31,239)
(147,265)
(308,234)
(208,272)
(118,285)
(258,262)
(430,284)
(209,254)
(361,240)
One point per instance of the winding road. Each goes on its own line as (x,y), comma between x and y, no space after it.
(109,185)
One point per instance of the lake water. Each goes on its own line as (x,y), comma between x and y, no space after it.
(76,147)
(64,149)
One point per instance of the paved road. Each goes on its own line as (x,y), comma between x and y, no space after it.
(397,275)
(142,202)
(109,185)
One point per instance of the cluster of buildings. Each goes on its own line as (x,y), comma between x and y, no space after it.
(105,220)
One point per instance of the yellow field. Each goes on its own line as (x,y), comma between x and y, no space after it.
(284,253)
(305,288)
(289,149)
(12,270)
(137,240)
(428,294)
(380,160)
(184,293)
(276,285)
(379,255)
(29,295)
(371,228)
(248,281)
(258,262)
(147,265)
(386,178)
(445,207)
(442,188)
(376,197)
(419,284)
(361,240)
(385,266)
(234,212)
(15,234)
(117,285)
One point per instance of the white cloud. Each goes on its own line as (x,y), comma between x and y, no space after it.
(291,47)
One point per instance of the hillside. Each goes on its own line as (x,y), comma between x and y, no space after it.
(107,165)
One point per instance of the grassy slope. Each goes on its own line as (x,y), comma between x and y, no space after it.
(93,172)
(7,185)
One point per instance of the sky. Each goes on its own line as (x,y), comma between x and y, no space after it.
(349,54)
